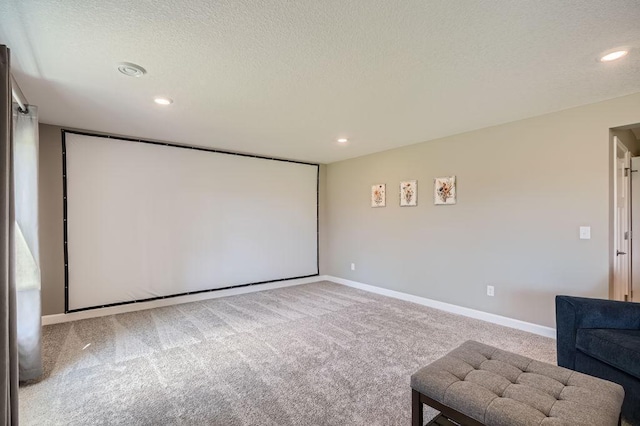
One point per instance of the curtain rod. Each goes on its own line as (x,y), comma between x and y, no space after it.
(18,96)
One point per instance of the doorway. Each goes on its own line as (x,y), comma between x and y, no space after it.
(622,268)
(626,213)
(634,296)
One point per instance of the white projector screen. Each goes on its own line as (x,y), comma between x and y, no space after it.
(146,220)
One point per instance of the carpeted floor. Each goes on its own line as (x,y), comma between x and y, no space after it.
(316,354)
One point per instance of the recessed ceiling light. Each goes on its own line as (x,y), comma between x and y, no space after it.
(343,140)
(163,101)
(131,70)
(614,55)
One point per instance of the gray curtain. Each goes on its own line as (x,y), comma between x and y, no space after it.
(27,253)
(8,329)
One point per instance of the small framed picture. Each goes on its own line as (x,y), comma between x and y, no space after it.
(378,195)
(409,193)
(444,190)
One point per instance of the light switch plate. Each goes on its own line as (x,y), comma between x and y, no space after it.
(585,232)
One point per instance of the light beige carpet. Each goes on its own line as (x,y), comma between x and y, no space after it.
(316,354)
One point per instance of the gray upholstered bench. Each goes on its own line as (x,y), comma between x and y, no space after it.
(477,384)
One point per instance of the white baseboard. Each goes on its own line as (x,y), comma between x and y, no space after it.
(101,312)
(447,307)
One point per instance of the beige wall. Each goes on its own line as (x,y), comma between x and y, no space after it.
(524,188)
(323,236)
(51,220)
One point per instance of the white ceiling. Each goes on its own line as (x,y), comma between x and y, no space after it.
(286,78)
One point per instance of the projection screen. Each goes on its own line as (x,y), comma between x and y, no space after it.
(146,220)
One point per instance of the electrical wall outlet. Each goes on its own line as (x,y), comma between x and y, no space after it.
(490,290)
(353,266)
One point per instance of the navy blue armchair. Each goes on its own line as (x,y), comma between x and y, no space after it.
(602,338)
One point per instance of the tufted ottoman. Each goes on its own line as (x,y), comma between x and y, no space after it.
(477,384)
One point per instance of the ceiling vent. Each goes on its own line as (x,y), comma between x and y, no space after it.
(131,70)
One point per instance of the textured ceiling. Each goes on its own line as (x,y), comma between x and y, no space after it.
(286,78)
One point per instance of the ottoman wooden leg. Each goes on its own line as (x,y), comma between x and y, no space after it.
(416,409)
